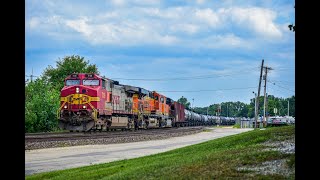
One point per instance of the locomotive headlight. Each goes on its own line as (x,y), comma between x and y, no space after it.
(84,107)
(65,106)
(77,90)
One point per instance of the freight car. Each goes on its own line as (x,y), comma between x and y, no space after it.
(91,102)
(280,121)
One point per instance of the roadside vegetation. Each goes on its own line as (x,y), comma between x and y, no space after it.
(236,126)
(42,95)
(229,157)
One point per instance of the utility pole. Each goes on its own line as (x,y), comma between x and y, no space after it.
(227,110)
(255,105)
(207,110)
(267,114)
(257,110)
(288,107)
(31,76)
(220,114)
(265,95)
(192,104)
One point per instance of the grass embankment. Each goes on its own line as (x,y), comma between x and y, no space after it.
(236,126)
(216,159)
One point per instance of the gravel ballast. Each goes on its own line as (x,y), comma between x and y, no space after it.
(101,140)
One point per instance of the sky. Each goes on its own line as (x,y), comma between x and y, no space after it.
(207,51)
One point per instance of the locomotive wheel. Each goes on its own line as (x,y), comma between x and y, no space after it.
(82,127)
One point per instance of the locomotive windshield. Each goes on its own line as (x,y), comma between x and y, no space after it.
(71,82)
(90,82)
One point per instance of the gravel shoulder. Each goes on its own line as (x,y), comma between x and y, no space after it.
(100,138)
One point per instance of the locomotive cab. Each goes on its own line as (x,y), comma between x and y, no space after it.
(80,101)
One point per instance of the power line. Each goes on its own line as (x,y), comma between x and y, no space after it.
(283,82)
(184,78)
(207,90)
(282,92)
(283,87)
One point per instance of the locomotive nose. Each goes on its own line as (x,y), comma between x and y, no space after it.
(80,90)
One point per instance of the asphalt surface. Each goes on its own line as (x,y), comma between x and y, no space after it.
(43,160)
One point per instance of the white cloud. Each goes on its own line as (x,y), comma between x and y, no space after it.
(124,33)
(147,2)
(80,25)
(258,19)
(188,28)
(33,22)
(208,16)
(200,1)
(118,2)
(226,41)
(165,26)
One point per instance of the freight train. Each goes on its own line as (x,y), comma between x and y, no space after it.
(280,121)
(91,102)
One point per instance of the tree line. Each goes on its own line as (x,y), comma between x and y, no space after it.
(240,109)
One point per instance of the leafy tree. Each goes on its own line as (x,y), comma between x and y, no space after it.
(240,109)
(42,96)
(41,104)
(200,110)
(275,102)
(184,101)
(65,67)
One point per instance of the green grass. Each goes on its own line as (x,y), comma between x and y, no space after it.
(216,159)
(207,130)
(236,126)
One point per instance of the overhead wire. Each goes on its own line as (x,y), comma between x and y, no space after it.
(213,75)
(279,90)
(283,87)
(283,82)
(207,90)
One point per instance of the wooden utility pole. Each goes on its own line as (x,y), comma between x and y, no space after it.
(256,114)
(255,105)
(265,95)
(219,113)
(267,101)
(227,110)
(192,106)
(288,107)
(31,74)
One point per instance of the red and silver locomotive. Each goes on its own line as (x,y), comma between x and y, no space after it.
(92,102)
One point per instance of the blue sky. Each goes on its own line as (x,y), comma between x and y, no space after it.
(176,48)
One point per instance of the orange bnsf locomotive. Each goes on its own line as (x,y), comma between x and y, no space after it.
(92,102)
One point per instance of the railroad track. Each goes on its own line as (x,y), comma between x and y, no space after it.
(40,137)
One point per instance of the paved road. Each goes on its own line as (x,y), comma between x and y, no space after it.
(43,160)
